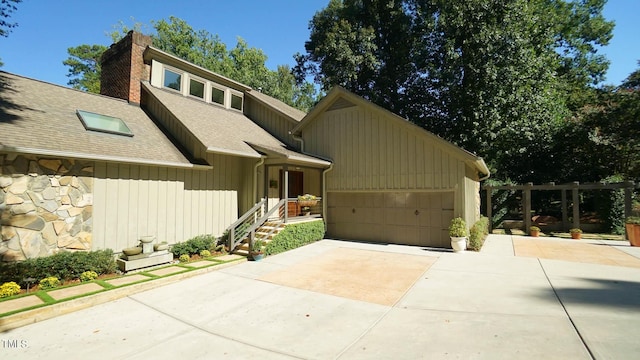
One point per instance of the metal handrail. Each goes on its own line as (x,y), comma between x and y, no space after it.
(236,237)
(233,239)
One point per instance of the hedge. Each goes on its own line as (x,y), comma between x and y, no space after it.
(296,235)
(194,245)
(478,233)
(63,265)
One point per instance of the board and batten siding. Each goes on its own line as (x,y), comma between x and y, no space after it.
(272,121)
(373,153)
(173,204)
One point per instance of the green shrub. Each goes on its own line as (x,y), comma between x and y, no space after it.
(633,220)
(194,245)
(49,283)
(610,206)
(296,235)
(458,228)
(88,276)
(9,289)
(258,246)
(478,233)
(205,253)
(184,258)
(63,265)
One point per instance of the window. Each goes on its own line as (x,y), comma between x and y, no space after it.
(217,95)
(172,79)
(103,123)
(196,88)
(236,102)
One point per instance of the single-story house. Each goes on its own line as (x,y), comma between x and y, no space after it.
(173,150)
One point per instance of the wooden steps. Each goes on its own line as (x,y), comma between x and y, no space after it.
(266,233)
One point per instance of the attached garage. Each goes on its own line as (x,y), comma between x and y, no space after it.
(412,218)
(390,180)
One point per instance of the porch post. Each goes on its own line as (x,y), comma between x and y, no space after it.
(628,192)
(576,204)
(565,216)
(285,192)
(526,199)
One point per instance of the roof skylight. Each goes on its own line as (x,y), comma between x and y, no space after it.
(103,123)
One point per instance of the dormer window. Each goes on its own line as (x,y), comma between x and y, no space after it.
(217,95)
(103,123)
(196,88)
(236,101)
(172,80)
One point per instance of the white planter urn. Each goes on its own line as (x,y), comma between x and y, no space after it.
(459,244)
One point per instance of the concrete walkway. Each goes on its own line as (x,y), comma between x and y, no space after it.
(346,300)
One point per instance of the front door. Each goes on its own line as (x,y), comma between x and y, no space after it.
(295,188)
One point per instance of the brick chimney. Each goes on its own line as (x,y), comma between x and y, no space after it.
(123,67)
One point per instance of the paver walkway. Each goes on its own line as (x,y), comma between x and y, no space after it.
(372,276)
(573,250)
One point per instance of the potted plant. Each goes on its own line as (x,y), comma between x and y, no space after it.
(575,233)
(534,231)
(306,201)
(458,233)
(257,251)
(632,225)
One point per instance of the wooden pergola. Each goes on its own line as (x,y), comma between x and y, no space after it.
(574,188)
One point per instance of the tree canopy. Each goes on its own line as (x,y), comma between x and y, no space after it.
(7,7)
(499,78)
(242,63)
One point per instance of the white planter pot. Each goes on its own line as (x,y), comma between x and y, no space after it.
(459,244)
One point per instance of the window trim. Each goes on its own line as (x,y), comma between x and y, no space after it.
(175,71)
(216,86)
(239,94)
(185,87)
(204,87)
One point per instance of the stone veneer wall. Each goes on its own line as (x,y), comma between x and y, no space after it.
(45,206)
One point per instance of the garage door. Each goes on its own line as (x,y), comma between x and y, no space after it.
(409,218)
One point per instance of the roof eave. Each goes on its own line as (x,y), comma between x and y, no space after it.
(216,150)
(155,53)
(105,158)
(258,99)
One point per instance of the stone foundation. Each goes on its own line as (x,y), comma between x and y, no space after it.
(45,206)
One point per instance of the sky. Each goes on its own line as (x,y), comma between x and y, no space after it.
(46,28)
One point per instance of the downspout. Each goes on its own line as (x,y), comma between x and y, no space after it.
(324,194)
(300,140)
(255,179)
(484,177)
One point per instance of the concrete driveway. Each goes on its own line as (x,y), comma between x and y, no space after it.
(346,300)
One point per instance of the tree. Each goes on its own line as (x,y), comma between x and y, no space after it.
(242,63)
(492,76)
(84,67)
(613,125)
(7,7)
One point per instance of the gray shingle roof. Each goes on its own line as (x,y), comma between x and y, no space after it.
(278,105)
(219,129)
(42,117)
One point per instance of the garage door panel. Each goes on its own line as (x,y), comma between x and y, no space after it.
(447,202)
(402,234)
(391,217)
(446,217)
(399,216)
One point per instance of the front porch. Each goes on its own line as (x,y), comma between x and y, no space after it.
(264,223)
